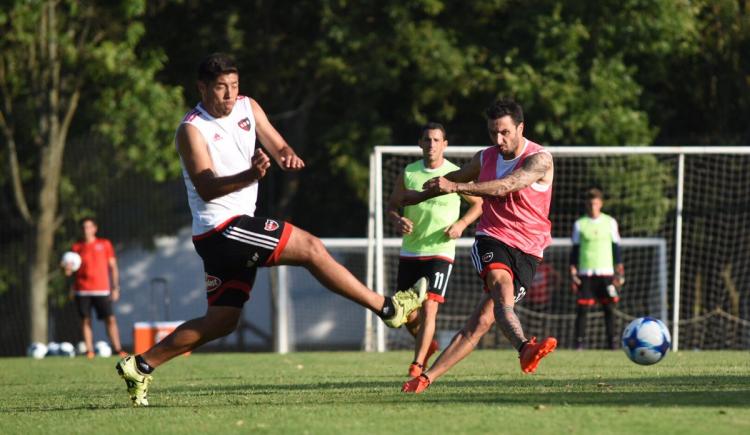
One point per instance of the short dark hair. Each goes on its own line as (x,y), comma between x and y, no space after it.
(505,107)
(214,65)
(594,193)
(433,126)
(85,219)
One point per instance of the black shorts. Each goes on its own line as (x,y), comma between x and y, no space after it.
(102,305)
(489,253)
(233,252)
(596,288)
(437,270)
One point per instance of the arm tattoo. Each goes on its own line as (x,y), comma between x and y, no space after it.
(538,163)
(532,170)
(508,322)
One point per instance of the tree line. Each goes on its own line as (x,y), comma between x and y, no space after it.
(113,78)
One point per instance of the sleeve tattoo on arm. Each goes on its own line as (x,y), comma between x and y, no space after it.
(532,170)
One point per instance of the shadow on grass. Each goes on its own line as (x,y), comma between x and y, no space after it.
(664,391)
(703,391)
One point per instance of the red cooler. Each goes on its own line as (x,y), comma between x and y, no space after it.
(147,334)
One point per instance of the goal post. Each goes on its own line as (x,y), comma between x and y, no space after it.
(683,216)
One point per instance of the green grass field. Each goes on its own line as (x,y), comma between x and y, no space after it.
(594,392)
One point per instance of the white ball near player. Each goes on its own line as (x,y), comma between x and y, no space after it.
(646,340)
(67,349)
(81,348)
(53,348)
(103,349)
(71,259)
(37,350)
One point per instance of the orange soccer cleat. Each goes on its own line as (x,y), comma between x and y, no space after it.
(416,385)
(532,352)
(415,369)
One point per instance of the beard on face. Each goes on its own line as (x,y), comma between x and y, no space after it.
(224,108)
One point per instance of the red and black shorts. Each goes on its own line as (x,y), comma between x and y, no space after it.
(437,270)
(489,253)
(102,306)
(232,253)
(597,288)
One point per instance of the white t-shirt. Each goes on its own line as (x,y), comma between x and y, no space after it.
(231,144)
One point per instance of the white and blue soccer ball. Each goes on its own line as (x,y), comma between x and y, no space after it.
(103,349)
(646,340)
(53,348)
(67,349)
(37,350)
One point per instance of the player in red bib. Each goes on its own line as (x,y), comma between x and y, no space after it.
(95,285)
(514,177)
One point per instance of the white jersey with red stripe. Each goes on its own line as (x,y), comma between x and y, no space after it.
(231,144)
(519,219)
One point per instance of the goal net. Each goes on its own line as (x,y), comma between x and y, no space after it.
(682,213)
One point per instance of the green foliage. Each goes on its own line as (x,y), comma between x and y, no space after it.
(639,187)
(573,94)
(711,82)
(83,60)
(121,96)
(140,115)
(122,100)
(398,60)
(579,68)
(338,77)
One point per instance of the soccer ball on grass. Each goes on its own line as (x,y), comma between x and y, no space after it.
(37,350)
(103,349)
(53,348)
(67,349)
(646,340)
(81,348)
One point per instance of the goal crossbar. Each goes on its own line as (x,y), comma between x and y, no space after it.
(582,151)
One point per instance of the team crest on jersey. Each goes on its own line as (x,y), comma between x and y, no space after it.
(245,124)
(486,258)
(271,225)
(212,283)
(217,137)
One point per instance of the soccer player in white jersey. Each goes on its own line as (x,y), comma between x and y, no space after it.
(221,168)
(514,178)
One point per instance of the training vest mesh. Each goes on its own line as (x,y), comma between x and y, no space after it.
(432,217)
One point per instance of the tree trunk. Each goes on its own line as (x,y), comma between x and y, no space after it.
(38,278)
(54,130)
(44,233)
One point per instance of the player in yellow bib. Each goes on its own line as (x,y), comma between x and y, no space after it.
(596,268)
(430,229)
